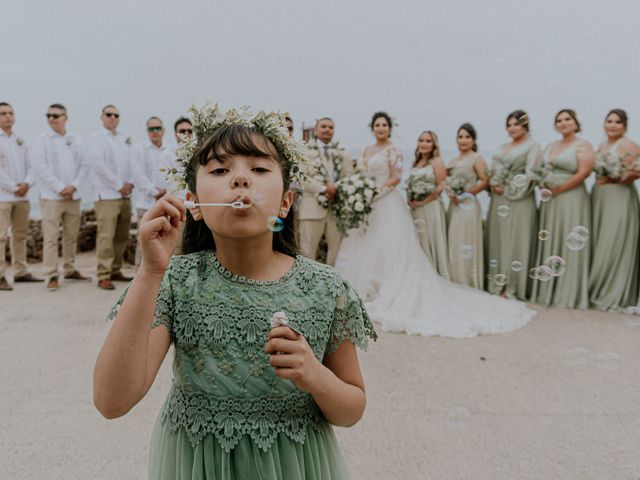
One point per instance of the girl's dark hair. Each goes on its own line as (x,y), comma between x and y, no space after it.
(226,141)
(467,127)
(621,114)
(384,115)
(572,114)
(436,147)
(519,116)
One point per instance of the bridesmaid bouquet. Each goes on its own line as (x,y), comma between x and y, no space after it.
(456,184)
(498,173)
(353,201)
(541,176)
(420,185)
(609,165)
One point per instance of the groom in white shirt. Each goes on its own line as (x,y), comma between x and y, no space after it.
(15,181)
(109,152)
(333,163)
(61,167)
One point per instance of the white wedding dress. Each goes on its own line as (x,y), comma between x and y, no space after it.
(385,263)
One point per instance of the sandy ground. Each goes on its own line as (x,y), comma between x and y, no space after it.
(559,399)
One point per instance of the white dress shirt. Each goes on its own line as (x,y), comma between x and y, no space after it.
(110,158)
(59,161)
(147,160)
(14,167)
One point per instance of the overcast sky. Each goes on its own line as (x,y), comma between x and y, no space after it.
(431,64)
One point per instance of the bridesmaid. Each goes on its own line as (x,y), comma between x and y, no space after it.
(512,221)
(429,214)
(613,281)
(465,218)
(562,258)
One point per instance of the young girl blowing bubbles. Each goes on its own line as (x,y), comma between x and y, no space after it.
(247,400)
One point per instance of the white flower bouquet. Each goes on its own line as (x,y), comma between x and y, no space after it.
(498,173)
(353,201)
(456,185)
(420,185)
(609,165)
(542,176)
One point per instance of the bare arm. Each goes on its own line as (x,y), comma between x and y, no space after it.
(336,384)
(132,352)
(480,167)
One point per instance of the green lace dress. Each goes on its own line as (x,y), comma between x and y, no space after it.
(227,415)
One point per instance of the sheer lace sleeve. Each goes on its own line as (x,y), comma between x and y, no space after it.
(164,304)
(350,320)
(396,160)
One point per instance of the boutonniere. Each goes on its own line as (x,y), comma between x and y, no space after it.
(20,141)
(68,142)
(128,141)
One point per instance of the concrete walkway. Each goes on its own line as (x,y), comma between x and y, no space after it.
(559,399)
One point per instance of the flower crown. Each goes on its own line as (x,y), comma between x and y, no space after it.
(209,118)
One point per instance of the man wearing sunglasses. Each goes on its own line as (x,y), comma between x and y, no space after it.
(182,128)
(109,152)
(15,181)
(148,161)
(61,167)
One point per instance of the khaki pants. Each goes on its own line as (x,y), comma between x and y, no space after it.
(113,219)
(311,232)
(16,216)
(55,212)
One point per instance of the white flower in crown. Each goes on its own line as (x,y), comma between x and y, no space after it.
(20,141)
(272,125)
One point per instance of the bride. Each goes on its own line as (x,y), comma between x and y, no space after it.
(385,263)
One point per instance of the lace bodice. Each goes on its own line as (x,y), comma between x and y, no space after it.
(377,165)
(219,324)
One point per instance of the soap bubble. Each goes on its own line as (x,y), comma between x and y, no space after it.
(493,263)
(544,235)
(557,265)
(275,224)
(578,356)
(581,231)
(533,273)
(543,273)
(608,361)
(516,266)
(466,251)
(575,242)
(545,195)
(503,211)
(632,310)
(520,180)
(458,418)
(500,279)
(419,225)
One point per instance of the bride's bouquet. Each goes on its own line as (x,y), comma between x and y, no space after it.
(420,185)
(353,201)
(609,165)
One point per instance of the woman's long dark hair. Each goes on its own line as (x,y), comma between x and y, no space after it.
(235,140)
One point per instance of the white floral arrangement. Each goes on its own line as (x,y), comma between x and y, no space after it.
(272,125)
(499,173)
(541,175)
(609,165)
(456,184)
(353,201)
(420,185)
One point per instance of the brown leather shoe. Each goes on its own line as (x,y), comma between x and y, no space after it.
(52,285)
(27,278)
(106,284)
(76,275)
(4,285)
(119,277)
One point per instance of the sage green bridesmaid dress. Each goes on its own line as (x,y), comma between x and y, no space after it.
(613,280)
(430,222)
(559,217)
(466,258)
(510,238)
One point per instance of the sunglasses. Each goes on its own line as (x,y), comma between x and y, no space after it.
(185,131)
(55,116)
(110,114)
(154,129)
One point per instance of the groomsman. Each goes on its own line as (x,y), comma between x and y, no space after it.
(110,154)
(61,167)
(148,158)
(333,163)
(15,181)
